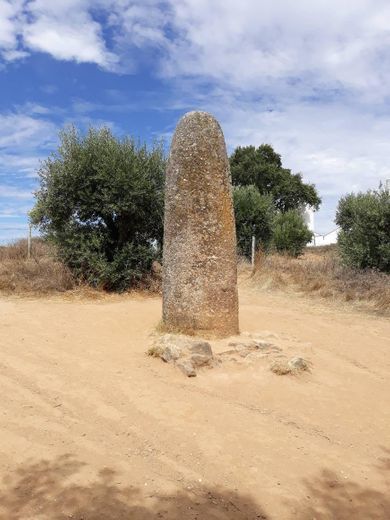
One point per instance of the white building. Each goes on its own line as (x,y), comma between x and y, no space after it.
(330,237)
(318,239)
(325,240)
(308,217)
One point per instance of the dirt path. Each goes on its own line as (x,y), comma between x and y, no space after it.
(92,429)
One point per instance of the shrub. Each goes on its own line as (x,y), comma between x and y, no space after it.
(254,216)
(290,233)
(364,238)
(101,202)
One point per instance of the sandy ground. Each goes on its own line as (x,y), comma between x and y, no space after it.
(91,428)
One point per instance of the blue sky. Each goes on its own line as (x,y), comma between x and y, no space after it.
(310,78)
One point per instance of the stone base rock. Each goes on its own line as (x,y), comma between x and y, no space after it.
(171,353)
(252,344)
(248,349)
(187,354)
(298,363)
(191,354)
(186,367)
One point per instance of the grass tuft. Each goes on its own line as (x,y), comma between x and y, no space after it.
(154,351)
(280,368)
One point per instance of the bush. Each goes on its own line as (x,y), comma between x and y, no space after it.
(290,233)
(254,216)
(364,238)
(101,202)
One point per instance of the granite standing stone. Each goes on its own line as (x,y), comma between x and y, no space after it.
(199,259)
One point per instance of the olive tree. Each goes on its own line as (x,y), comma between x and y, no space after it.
(364,238)
(100,200)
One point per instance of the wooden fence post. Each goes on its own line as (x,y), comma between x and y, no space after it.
(253,252)
(29,242)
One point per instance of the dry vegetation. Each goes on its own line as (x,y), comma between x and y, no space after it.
(154,351)
(41,274)
(319,272)
(44,274)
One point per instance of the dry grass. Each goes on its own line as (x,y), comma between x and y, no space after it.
(280,368)
(319,272)
(154,351)
(41,274)
(164,328)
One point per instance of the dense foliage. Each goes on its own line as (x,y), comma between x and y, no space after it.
(254,217)
(100,201)
(263,188)
(262,167)
(290,233)
(364,238)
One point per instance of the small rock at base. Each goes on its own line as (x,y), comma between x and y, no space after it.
(201,347)
(200,360)
(186,367)
(263,343)
(298,363)
(250,344)
(171,353)
(242,345)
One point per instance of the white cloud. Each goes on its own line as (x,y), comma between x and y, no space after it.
(13,192)
(8,24)
(67,31)
(249,44)
(25,137)
(23,130)
(12,229)
(140,23)
(25,165)
(244,44)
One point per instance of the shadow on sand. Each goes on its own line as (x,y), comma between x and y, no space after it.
(330,497)
(45,491)
(49,491)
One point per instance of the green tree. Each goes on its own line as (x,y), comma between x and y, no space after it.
(100,201)
(364,238)
(262,167)
(254,217)
(290,233)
